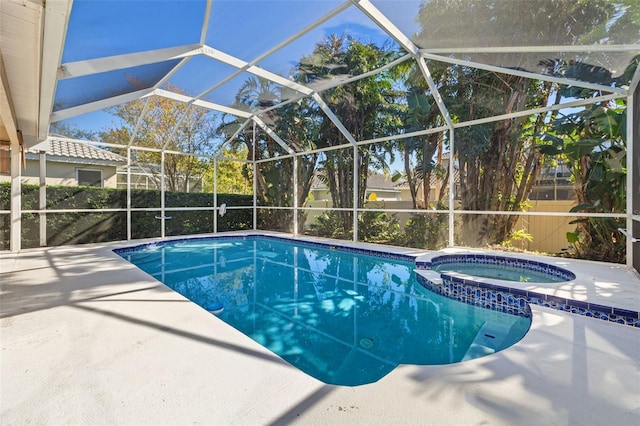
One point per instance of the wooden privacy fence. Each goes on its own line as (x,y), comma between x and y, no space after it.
(548,232)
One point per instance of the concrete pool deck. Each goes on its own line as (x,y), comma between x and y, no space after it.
(87,338)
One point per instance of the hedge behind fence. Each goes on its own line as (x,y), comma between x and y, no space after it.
(80,228)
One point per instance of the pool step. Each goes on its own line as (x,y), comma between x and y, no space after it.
(487,341)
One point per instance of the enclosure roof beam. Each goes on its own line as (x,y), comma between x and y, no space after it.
(205,22)
(199,102)
(159,84)
(330,84)
(526,74)
(235,134)
(613,48)
(405,135)
(273,135)
(528,112)
(383,22)
(64,114)
(117,62)
(174,130)
(336,121)
(253,69)
(435,93)
(139,121)
(56,22)
(294,37)
(374,14)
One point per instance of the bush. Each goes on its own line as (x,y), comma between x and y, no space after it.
(373,227)
(378,227)
(72,227)
(426,230)
(329,225)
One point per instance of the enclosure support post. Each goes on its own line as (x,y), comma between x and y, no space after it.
(162,191)
(449,122)
(633,173)
(128,193)
(452,188)
(295,195)
(255,183)
(215,195)
(42,193)
(629,182)
(355,192)
(16,198)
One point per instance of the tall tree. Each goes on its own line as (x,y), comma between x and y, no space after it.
(499,162)
(168,124)
(295,124)
(231,175)
(419,114)
(592,142)
(365,108)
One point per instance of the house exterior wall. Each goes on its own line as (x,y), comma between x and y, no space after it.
(383,195)
(320,194)
(63,174)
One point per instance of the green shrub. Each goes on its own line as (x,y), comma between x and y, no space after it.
(329,225)
(426,230)
(72,227)
(378,227)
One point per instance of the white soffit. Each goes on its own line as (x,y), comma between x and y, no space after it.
(20,44)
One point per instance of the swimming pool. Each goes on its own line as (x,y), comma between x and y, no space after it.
(343,317)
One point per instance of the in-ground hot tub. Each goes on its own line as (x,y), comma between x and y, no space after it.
(500,268)
(510,284)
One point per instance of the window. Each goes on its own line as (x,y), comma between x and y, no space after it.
(87,177)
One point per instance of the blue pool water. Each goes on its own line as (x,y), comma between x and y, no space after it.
(343,318)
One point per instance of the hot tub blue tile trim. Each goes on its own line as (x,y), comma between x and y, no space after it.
(607,313)
(492,296)
(488,259)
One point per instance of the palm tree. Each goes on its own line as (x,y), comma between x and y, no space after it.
(365,109)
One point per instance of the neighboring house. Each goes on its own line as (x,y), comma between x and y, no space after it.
(382,188)
(554,184)
(379,187)
(147,176)
(71,163)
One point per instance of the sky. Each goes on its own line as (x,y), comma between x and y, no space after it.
(105,28)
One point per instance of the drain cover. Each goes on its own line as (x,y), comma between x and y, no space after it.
(366,342)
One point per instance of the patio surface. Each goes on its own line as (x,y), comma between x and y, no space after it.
(87,338)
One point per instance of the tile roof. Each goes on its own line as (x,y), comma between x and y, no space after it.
(374,181)
(76,151)
(402,183)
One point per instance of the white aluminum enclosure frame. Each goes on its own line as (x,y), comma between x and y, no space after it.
(57,21)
